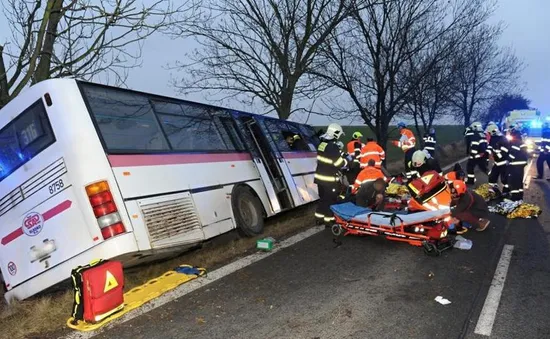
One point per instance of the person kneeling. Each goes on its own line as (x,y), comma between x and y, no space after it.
(469,206)
(371,194)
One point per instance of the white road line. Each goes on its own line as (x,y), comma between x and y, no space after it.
(198,283)
(209,278)
(527,176)
(488,313)
(451,165)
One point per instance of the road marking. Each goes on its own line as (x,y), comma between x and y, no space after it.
(198,283)
(451,165)
(526,176)
(488,313)
(206,280)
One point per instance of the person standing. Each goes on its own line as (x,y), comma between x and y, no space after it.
(430,142)
(354,149)
(330,162)
(516,165)
(372,151)
(544,151)
(476,156)
(407,143)
(498,150)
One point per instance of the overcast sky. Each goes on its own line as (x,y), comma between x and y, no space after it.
(528,32)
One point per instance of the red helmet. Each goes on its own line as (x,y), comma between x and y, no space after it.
(459,186)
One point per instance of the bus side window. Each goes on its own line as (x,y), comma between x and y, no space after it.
(276,129)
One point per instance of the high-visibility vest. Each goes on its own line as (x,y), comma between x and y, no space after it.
(407,140)
(372,150)
(366,175)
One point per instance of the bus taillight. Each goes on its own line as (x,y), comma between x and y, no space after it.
(105,209)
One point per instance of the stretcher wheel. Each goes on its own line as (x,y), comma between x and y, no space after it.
(431,249)
(336,230)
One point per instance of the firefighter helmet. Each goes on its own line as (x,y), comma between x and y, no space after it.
(357,135)
(492,129)
(459,186)
(476,126)
(334,131)
(418,158)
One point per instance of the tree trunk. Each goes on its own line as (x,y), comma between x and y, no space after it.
(4,93)
(43,69)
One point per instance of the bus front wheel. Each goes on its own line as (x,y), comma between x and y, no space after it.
(248,211)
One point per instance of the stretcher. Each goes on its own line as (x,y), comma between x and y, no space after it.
(424,223)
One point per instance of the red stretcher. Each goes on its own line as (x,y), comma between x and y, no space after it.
(425,223)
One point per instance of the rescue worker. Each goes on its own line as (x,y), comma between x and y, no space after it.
(498,150)
(407,143)
(372,194)
(330,162)
(372,151)
(544,151)
(354,149)
(468,206)
(476,155)
(430,142)
(517,160)
(468,133)
(421,163)
(368,174)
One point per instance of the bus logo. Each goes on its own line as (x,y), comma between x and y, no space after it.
(12,268)
(33,224)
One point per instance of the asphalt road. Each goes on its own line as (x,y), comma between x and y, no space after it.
(371,288)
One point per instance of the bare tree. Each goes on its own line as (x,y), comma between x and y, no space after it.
(80,38)
(483,70)
(261,49)
(430,74)
(368,55)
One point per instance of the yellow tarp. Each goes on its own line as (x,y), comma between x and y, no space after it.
(140,295)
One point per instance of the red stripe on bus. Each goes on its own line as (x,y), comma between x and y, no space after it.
(298,155)
(173,159)
(65,205)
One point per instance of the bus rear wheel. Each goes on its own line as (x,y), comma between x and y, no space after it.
(248,211)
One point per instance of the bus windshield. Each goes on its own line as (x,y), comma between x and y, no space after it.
(23,138)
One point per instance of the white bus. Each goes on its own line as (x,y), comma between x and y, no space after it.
(90,171)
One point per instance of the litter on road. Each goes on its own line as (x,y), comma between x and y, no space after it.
(442,300)
(462,243)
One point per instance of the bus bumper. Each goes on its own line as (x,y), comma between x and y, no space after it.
(111,248)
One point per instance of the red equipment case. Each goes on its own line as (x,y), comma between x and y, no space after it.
(98,290)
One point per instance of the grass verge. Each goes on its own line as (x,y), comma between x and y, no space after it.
(45,316)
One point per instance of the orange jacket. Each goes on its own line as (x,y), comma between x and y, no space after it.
(354,149)
(367,174)
(372,150)
(407,140)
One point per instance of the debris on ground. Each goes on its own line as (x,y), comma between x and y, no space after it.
(516,209)
(462,243)
(442,300)
(265,244)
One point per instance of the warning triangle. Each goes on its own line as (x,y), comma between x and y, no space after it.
(110,282)
(427,178)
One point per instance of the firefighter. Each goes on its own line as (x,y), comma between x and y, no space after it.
(477,149)
(517,159)
(498,150)
(407,143)
(430,142)
(371,150)
(354,149)
(468,133)
(421,163)
(330,162)
(544,151)
(368,174)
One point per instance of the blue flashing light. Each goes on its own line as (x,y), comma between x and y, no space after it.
(536,124)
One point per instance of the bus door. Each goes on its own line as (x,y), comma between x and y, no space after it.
(266,162)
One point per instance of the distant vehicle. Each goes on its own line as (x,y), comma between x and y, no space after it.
(531,122)
(90,171)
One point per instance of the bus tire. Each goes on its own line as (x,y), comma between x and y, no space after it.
(248,211)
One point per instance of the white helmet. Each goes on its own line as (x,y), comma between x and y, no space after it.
(334,131)
(476,126)
(418,158)
(340,145)
(492,129)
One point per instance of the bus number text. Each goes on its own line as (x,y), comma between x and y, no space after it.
(56,186)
